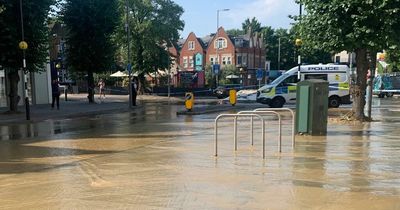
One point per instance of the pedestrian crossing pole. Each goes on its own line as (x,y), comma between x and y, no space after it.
(129,67)
(23,46)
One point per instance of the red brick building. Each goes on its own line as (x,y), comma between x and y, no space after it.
(192,62)
(245,52)
(221,50)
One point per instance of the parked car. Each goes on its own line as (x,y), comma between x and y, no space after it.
(223,90)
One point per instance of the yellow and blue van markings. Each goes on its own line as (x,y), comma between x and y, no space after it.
(339,86)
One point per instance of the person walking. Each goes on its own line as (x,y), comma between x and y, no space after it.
(55,93)
(102,86)
(134,91)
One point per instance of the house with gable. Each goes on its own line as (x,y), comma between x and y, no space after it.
(192,62)
(221,45)
(246,52)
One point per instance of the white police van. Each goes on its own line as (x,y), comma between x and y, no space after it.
(283,89)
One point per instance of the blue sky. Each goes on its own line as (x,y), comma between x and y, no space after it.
(200,16)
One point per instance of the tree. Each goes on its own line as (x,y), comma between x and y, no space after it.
(226,71)
(155,24)
(209,76)
(35,14)
(287,50)
(357,26)
(90,25)
(235,32)
(393,59)
(252,25)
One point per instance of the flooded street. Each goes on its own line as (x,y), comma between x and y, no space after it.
(153,159)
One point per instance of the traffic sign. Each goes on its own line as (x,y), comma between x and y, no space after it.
(259,74)
(216,68)
(129,67)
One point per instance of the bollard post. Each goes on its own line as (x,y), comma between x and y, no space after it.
(65,94)
(27,109)
(189,101)
(232,97)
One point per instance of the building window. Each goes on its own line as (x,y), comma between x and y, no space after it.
(229,61)
(337,59)
(239,42)
(191,61)
(239,59)
(212,61)
(191,45)
(220,43)
(185,62)
(223,60)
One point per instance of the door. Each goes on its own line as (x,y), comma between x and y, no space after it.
(288,88)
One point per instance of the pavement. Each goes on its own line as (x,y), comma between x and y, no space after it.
(78,106)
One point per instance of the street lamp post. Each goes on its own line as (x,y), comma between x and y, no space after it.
(23,46)
(298,43)
(217,36)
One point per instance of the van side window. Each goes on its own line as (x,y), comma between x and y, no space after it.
(316,76)
(292,79)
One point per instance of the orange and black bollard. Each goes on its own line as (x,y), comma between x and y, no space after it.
(232,97)
(189,101)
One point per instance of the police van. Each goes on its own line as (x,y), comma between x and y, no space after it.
(283,89)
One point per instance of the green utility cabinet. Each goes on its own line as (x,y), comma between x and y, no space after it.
(312,107)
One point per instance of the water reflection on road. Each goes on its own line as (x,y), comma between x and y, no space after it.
(153,159)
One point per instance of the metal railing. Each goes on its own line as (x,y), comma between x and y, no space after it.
(293,120)
(235,116)
(251,126)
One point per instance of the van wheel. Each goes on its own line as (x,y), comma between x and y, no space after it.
(381,95)
(277,102)
(334,101)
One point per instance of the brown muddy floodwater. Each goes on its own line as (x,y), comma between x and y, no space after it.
(153,159)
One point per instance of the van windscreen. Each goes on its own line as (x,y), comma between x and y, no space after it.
(279,79)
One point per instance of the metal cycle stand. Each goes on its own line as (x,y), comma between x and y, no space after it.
(293,120)
(264,113)
(235,117)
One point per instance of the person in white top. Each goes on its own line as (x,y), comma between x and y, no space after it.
(102,86)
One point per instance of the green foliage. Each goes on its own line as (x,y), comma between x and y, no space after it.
(90,24)
(350,25)
(235,32)
(287,49)
(228,70)
(252,24)
(356,26)
(154,25)
(35,14)
(393,59)
(209,77)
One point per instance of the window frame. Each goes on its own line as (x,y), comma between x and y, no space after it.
(191,45)
(222,40)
